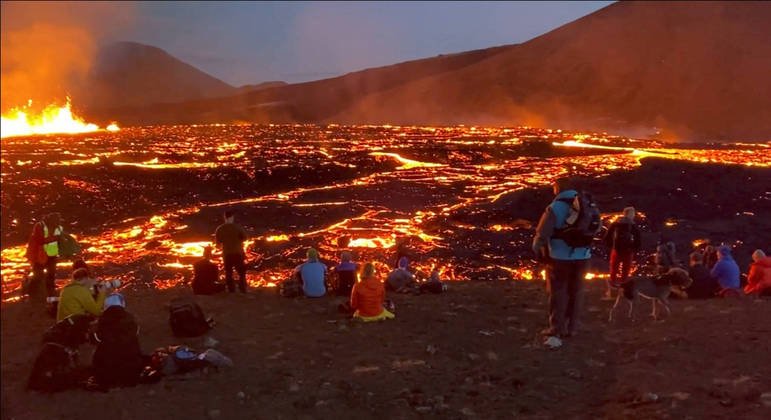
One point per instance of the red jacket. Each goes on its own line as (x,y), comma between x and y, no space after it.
(367,297)
(760,276)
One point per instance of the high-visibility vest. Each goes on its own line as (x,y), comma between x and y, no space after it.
(51,248)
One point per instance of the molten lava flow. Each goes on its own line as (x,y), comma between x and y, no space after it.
(53,119)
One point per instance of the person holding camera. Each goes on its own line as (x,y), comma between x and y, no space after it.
(76,297)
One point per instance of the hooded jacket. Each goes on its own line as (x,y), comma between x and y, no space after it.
(367,297)
(760,276)
(726,271)
(76,298)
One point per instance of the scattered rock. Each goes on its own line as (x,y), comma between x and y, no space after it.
(214,413)
(680,396)
(405,364)
(275,355)
(365,369)
(765,399)
(553,342)
(473,356)
(431,349)
(492,356)
(423,409)
(595,363)
(294,386)
(468,412)
(573,374)
(240,395)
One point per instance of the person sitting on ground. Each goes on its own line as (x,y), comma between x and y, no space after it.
(118,359)
(665,257)
(367,297)
(206,275)
(401,280)
(79,263)
(623,239)
(726,272)
(434,284)
(710,256)
(76,298)
(346,274)
(703,285)
(311,274)
(759,279)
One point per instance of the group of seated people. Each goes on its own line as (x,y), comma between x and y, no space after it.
(715,272)
(312,279)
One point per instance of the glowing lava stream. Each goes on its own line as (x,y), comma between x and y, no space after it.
(408,163)
(52,120)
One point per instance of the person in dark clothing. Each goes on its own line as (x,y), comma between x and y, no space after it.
(118,359)
(566,265)
(231,237)
(703,285)
(623,240)
(206,275)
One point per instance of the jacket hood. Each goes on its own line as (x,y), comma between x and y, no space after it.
(724,252)
(763,262)
(566,194)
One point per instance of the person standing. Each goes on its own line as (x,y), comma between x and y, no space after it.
(566,251)
(231,237)
(43,251)
(623,239)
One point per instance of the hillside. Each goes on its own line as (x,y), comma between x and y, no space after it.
(132,74)
(692,71)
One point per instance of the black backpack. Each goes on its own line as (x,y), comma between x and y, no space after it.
(56,367)
(623,237)
(583,221)
(187,319)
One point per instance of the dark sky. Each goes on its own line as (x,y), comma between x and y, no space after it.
(251,42)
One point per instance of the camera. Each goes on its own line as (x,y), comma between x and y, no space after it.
(109,284)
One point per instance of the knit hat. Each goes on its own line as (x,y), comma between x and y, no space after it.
(629,212)
(346,256)
(312,254)
(758,255)
(724,250)
(403,262)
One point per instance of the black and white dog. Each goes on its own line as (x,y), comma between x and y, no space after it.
(655,288)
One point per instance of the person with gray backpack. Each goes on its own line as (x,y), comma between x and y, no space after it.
(563,242)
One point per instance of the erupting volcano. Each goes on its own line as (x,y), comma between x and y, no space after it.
(53,119)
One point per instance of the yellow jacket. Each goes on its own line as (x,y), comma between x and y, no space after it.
(76,298)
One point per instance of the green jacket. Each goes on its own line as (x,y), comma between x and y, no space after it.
(76,298)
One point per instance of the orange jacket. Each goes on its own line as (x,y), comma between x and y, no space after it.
(367,297)
(35,252)
(760,276)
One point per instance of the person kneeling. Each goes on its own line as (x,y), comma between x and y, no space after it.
(206,275)
(76,297)
(367,297)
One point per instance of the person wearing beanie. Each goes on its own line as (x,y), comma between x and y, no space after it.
(346,274)
(311,274)
(367,297)
(401,280)
(623,240)
(759,278)
(726,271)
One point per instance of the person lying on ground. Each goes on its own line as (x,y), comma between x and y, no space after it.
(726,271)
(311,274)
(703,285)
(206,275)
(623,240)
(76,297)
(759,278)
(367,297)
(401,280)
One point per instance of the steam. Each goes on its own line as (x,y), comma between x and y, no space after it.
(48,47)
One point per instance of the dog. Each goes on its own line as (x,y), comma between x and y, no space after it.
(656,288)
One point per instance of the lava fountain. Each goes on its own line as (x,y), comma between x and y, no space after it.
(53,119)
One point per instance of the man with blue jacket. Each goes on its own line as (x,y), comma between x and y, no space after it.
(567,265)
